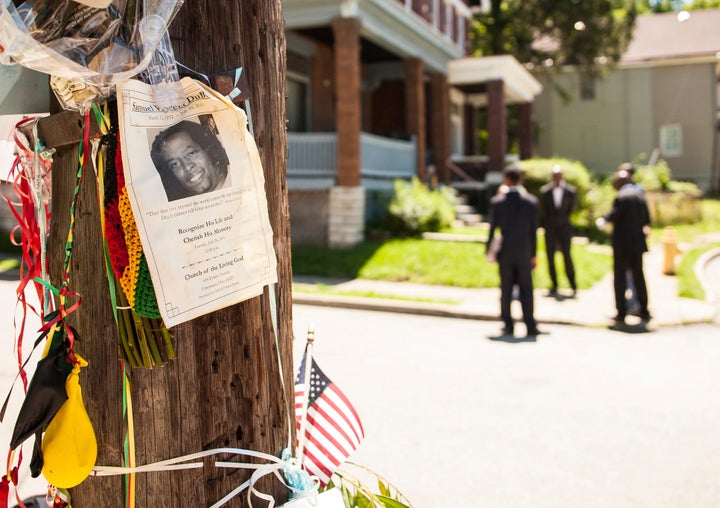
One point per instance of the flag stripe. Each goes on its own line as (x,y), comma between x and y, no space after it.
(315,467)
(335,422)
(345,410)
(324,454)
(319,432)
(332,431)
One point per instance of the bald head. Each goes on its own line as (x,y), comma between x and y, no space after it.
(621,178)
(628,167)
(557,174)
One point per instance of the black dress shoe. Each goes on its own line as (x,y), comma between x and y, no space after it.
(534,332)
(508,330)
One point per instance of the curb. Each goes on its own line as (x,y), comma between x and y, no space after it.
(386,305)
(438,310)
(700,266)
(450,311)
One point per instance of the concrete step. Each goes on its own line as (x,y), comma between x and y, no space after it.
(470,218)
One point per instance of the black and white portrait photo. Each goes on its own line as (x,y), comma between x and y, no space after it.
(190,158)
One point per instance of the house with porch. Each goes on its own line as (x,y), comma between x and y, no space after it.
(376,90)
(383,89)
(662,100)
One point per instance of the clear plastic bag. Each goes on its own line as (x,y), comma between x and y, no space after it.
(86,49)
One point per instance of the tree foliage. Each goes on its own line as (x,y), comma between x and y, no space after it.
(550,33)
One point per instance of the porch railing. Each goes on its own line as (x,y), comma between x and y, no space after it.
(383,160)
(312,160)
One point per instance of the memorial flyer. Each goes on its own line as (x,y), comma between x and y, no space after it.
(196,187)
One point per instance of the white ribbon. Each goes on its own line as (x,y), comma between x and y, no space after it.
(274,467)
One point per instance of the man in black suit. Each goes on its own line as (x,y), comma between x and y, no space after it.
(557,202)
(514,212)
(631,225)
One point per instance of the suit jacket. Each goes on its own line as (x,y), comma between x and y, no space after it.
(557,217)
(515,214)
(629,215)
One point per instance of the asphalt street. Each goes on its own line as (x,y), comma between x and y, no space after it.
(581,417)
(456,416)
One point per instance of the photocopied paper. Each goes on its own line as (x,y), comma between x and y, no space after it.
(196,187)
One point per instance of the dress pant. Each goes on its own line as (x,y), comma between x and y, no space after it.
(622,263)
(510,275)
(559,238)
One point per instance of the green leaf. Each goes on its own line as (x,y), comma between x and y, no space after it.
(384,489)
(347,496)
(363,501)
(389,502)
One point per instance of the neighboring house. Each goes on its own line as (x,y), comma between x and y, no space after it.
(382,89)
(376,90)
(662,97)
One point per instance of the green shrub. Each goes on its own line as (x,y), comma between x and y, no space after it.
(598,202)
(653,178)
(670,201)
(538,172)
(416,209)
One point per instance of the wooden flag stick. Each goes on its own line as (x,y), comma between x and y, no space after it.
(306,392)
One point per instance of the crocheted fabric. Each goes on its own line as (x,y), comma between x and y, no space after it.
(124,247)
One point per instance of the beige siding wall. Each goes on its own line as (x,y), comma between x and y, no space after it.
(685,95)
(602,132)
(637,125)
(623,121)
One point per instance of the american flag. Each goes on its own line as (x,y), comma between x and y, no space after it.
(333,430)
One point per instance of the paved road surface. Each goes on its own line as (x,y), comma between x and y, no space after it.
(584,417)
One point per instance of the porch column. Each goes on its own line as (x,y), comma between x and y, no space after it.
(347,199)
(496,125)
(525,134)
(440,124)
(415,109)
(347,99)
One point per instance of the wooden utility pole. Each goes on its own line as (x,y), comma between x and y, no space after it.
(224,389)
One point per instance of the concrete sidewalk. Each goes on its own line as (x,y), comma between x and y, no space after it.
(590,307)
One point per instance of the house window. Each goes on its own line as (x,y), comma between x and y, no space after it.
(297,99)
(587,88)
(671,144)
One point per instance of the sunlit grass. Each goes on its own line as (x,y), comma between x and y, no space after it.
(460,264)
(710,223)
(688,284)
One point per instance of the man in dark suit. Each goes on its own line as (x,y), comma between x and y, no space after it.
(631,225)
(557,202)
(514,212)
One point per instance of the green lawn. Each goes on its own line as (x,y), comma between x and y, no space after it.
(697,239)
(437,262)
(463,263)
(710,223)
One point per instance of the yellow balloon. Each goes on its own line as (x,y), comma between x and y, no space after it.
(69,446)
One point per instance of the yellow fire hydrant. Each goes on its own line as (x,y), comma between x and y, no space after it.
(670,247)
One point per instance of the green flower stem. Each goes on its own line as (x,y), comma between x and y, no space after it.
(158,357)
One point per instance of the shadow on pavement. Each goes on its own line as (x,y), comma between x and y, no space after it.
(511,339)
(628,328)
